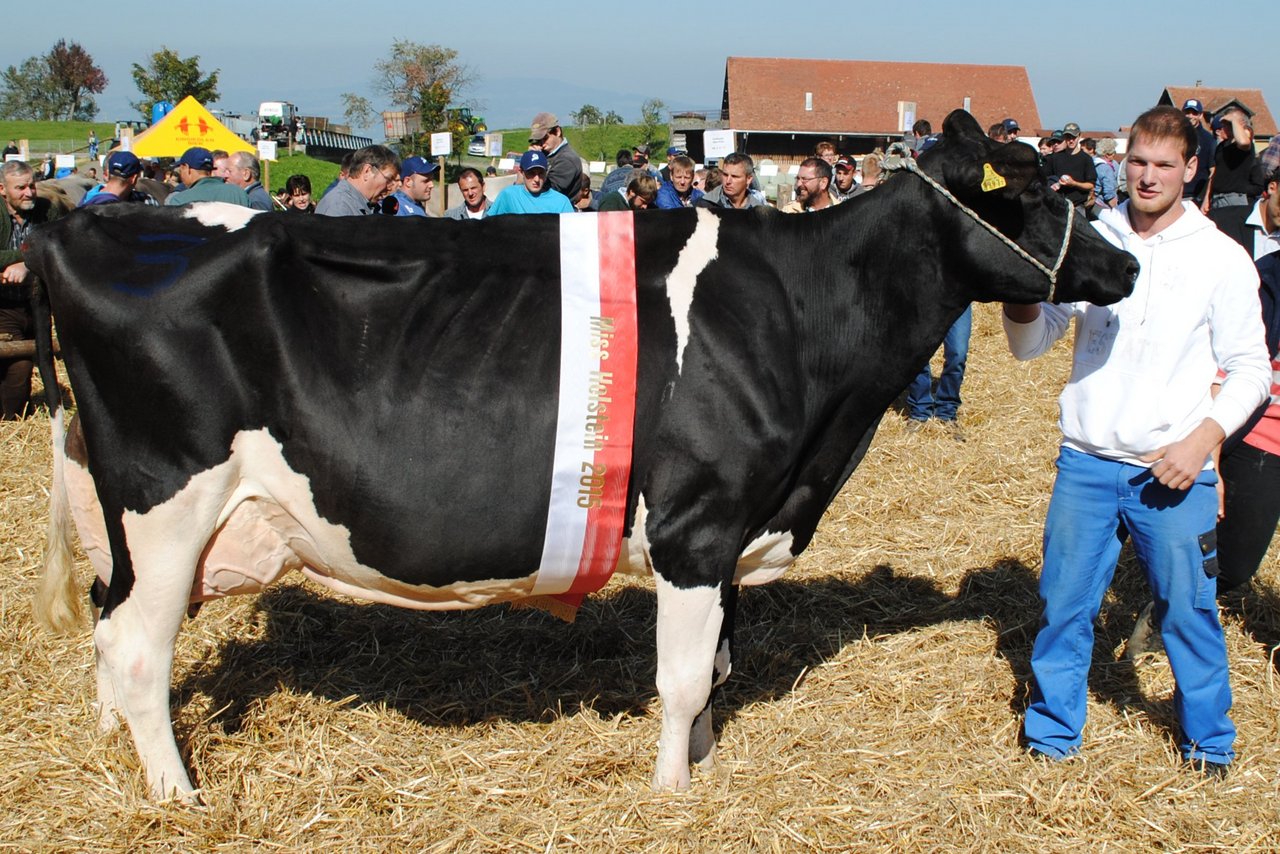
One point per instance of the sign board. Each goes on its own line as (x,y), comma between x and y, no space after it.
(507,164)
(266,149)
(493,145)
(768,170)
(597,167)
(718,143)
(793,170)
(64,161)
(441,144)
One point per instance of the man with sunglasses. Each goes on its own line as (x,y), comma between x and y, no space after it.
(564,169)
(373,175)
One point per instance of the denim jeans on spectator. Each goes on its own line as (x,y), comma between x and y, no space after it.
(922,402)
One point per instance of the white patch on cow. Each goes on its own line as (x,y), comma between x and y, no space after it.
(697,253)
(689,623)
(633,557)
(229,216)
(266,525)
(764,559)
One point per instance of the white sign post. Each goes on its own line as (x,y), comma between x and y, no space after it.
(493,145)
(266,149)
(718,144)
(441,144)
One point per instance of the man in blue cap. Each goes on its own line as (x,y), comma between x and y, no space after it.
(122,170)
(417,180)
(195,170)
(534,195)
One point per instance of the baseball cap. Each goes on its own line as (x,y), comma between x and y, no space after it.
(641,149)
(1056,136)
(122,164)
(542,125)
(844,161)
(533,159)
(1071,129)
(1193,105)
(197,158)
(1011,125)
(675,151)
(416,165)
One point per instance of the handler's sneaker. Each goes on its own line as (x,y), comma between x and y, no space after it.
(1146,637)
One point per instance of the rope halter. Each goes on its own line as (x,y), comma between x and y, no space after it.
(907,162)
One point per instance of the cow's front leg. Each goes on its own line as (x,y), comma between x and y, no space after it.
(702,741)
(689,622)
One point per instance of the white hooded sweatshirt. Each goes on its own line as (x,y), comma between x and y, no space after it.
(1142,368)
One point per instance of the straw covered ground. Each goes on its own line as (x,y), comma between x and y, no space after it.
(875,704)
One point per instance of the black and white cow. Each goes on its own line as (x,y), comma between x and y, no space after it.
(373,401)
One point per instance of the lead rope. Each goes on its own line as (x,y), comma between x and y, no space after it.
(908,163)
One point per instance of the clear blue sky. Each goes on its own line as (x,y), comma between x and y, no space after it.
(557,56)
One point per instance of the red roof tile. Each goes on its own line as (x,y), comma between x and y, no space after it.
(1215,99)
(855,96)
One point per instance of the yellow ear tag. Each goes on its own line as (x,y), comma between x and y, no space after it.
(991,180)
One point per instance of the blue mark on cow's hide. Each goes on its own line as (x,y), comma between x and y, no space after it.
(172,263)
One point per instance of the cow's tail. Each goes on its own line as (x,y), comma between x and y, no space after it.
(57,604)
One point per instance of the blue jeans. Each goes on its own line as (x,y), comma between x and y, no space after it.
(922,403)
(1096,504)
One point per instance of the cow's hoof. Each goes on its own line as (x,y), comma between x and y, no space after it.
(663,784)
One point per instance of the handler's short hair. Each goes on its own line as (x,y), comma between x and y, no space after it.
(1167,122)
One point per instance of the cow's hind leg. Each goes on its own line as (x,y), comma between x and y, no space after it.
(702,740)
(110,714)
(689,621)
(135,635)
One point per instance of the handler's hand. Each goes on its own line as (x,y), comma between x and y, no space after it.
(1178,465)
(15,273)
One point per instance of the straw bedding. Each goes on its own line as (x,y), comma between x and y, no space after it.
(875,703)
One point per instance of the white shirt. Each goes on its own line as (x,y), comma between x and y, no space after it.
(1142,368)
(1264,242)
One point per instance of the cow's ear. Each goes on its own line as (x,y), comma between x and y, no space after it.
(960,123)
(1007,170)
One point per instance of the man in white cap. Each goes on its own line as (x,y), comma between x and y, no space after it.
(564,170)
(534,195)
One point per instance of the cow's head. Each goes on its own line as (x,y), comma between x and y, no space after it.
(1001,183)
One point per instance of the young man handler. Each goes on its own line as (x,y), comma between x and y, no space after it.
(1139,425)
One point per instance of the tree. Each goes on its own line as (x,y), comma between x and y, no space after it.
(651,119)
(75,78)
(587,115)
(357,109)
(25,94)
(611,118)
(169,77)
(54,87)
(423,78)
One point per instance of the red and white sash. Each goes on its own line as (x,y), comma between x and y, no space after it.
(592,466)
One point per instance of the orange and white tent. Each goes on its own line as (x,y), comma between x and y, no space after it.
(188,125)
